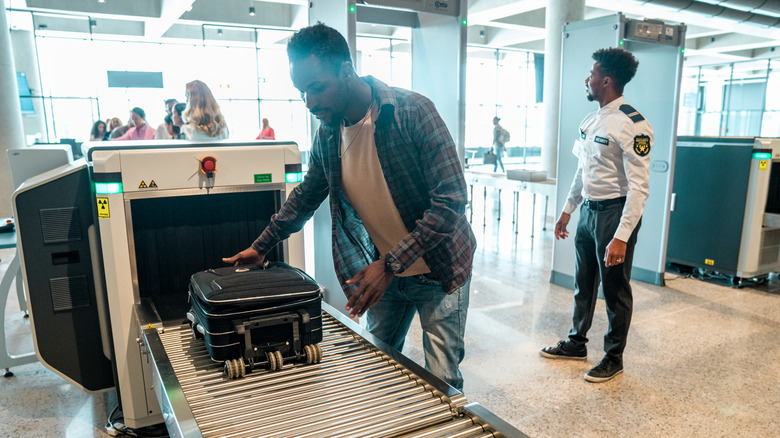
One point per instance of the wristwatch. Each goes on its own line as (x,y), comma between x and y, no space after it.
(392,264)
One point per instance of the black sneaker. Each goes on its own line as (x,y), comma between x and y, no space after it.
(564,350)
(605,370)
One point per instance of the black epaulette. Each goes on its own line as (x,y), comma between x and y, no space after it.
(631,113)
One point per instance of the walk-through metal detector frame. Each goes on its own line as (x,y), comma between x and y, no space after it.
(654,92)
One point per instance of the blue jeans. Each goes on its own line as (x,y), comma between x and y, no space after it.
(442,316)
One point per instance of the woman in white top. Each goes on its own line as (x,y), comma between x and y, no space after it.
(204,120)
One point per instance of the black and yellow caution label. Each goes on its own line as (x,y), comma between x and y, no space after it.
(709,262)
(762,164)
(143,185)
(153,184)
(102,208)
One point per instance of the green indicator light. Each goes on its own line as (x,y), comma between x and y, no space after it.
(293,177)
(762,155)
(352,9)
(108,188)
(682,51)
(464,22)
(621,42)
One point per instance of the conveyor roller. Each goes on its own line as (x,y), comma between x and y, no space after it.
(357,390)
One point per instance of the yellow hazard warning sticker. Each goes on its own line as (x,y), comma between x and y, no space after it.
(709,262)
(102,207)
(143,185)
(153,184)
(762,164)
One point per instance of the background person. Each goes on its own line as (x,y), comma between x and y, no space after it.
(499,139)
(178,121)
(98,132)
(401,241)
(203,119)
(140,130)
(613,147)
(162,130)
(117,128)
(267,133)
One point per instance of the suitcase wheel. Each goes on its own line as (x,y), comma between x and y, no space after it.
(234,368)
(275,360)
(313,353)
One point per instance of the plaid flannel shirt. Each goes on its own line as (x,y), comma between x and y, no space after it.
(426,181)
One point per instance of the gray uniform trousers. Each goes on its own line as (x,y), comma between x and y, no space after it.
(595,229)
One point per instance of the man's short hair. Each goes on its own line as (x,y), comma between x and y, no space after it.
(141,113)
(324,42)
(179,108)
(170,101)
(618,64)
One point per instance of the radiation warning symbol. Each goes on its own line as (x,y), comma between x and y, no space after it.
(102,208)
(143,185)
(153,184)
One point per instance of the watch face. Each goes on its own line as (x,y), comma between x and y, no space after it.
(392,264)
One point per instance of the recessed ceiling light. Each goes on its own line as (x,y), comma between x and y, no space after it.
(252,11)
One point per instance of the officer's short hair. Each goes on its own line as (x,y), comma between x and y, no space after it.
(324,42)
(618,64)
(141,113)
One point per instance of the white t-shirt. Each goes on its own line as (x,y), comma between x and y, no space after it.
(364,185)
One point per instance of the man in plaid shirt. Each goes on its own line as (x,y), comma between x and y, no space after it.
(401,241)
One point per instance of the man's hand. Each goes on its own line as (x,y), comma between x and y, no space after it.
(560,226)
(246,257)
(374,280)
(615,253)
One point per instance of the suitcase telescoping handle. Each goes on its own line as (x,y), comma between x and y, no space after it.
(300,317)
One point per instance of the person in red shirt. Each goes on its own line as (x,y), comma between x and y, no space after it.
(267,133)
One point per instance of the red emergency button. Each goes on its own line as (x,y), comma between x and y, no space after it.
(208,165)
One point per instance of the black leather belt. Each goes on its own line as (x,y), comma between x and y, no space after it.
(601,205)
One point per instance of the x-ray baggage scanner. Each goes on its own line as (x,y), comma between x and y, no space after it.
(108,246)
(726,206)
(654,92)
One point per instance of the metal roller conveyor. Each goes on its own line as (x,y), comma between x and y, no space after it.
(358,390)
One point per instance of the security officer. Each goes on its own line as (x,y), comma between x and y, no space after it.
(613,179)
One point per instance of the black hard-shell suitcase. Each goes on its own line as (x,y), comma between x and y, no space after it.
(256,315)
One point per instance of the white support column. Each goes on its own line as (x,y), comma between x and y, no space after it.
(558,13)
(26,61)
(10,114)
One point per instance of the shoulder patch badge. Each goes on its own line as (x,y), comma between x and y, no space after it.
(582,134)
(642,145)
(601,140)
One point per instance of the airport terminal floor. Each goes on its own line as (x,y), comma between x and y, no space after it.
(701,359)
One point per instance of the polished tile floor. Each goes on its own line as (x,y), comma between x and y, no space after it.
(701,358)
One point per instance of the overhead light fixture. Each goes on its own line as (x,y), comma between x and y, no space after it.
(92,23)
(219,32)
(101,1)
(252,11)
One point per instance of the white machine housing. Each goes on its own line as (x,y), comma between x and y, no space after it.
(759,252)
(149,170)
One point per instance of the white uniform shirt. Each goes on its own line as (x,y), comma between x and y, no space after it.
(614,160)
